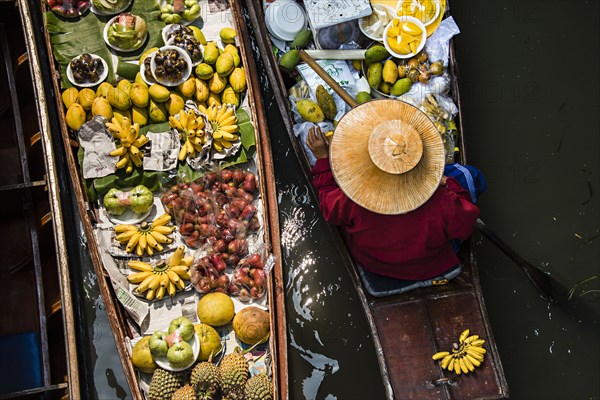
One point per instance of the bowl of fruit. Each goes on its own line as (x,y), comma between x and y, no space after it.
(171,65)
(404,37)
(177,348)
(125,32)
(87,70)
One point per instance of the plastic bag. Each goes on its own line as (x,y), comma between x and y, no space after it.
(215,210)
(249,280)
(208,275)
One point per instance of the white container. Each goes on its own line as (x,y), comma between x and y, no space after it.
(105,35)
(185,74)
(435,13)
(102,77)
(284,19)
(367,29)
(402,20)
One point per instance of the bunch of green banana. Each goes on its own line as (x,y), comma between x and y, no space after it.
(467,355)
(191,127)
(147,237)
(440,117)
(224,126)
(163,278)
(130,141)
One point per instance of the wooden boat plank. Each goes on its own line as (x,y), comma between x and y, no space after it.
(427,313)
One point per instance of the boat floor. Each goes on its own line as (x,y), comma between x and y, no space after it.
(415,325)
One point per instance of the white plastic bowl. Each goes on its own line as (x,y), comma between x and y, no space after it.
(194,63)
(88,84)
(186,73)
(362,23)
(402,20)
(284,19)
(143,70)
(432,20)
(105,35)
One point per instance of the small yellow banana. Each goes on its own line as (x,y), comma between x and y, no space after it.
(162,220)
(133,242)
(138,277)
(439,355)
(160,292)
(124,228)
(173,277)
(463,366)
(470,366)
(474,361)
(150,294)
(477,343)
(463,335)
(139,265)
(445,361)
(175,259)
(125,236)
(143,286)
(155,282)
(171,289)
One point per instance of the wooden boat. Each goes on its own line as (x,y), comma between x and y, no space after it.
(123,329)
(37,324)
(427,319)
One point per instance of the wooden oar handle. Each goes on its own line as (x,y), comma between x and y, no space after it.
(328,79)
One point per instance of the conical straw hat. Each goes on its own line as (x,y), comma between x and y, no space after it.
(387,156)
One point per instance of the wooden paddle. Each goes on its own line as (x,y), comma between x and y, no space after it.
(548,287)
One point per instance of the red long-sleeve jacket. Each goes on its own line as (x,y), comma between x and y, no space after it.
(412,246)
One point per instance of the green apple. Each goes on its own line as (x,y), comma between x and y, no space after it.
(158,344)
(184,326)
(180,354)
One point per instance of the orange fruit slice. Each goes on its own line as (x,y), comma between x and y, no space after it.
(412,29)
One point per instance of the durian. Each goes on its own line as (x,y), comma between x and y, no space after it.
(258,388)
(206,379)
(234,374)
(164,383)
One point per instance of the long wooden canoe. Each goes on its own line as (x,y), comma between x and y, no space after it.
(122,327)
(37,324)
(407,329)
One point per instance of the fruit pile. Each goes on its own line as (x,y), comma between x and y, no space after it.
(173,11)
(86,68)
(216,211)
(404,37)
(395,77)
(249,278)
(69,8)
(467,355)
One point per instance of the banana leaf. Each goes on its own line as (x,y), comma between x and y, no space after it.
(70,38)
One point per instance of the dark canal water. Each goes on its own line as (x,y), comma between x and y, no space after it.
(529,81)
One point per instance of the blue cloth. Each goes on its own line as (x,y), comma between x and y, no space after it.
(469,177)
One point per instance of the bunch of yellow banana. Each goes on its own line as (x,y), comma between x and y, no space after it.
(130,142)
(467,355)
(191,127)
(147,237)
(224,126)
(440,117)
(163,278)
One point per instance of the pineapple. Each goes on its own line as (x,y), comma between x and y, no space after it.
(206,379)
(186,392)
(164,383)
(258,388)
(234,373)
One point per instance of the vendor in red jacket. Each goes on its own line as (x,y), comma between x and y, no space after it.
(396,211)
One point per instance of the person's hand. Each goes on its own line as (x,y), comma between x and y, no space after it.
(443,180)
(316,142)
